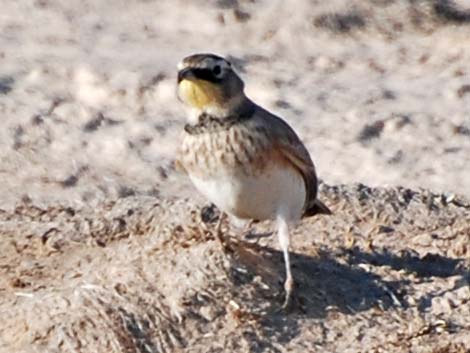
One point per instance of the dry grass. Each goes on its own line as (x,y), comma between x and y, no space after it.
(146,275)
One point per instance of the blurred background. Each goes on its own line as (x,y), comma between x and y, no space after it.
(379,90)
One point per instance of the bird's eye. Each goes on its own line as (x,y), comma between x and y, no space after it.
(217,70)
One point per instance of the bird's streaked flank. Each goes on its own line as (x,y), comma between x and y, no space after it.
(247,161)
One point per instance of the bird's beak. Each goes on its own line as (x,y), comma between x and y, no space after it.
(186,74)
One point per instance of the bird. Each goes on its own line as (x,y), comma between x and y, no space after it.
(247,161)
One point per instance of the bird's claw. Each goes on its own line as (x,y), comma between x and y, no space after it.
(289,289)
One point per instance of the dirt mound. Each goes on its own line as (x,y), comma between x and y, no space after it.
(146,275)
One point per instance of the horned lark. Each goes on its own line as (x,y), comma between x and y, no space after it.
(247,161)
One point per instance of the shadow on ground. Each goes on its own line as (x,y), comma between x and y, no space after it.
(326,284)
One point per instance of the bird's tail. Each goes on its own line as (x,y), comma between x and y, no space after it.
(317,207)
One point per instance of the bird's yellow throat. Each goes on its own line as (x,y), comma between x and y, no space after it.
(199,93)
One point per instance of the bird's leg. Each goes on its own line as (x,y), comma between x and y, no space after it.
(283,234)
(218,230)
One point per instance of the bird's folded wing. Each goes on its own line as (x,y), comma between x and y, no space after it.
(294,151)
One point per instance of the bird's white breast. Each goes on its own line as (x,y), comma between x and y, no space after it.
(262,196)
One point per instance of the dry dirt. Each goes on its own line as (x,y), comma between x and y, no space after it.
(388,272)
(105,248)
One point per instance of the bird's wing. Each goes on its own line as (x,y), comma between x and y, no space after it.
(294,151)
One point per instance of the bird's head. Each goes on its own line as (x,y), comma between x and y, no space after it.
(207,83)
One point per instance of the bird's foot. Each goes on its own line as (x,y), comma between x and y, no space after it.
(224,241)
(289,293)
(226,245)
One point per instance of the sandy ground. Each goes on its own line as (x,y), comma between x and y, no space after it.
(379,93)
(97,244)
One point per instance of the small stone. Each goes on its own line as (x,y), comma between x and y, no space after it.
(69,181)
(241,16)
(371,131)
(208,313)
(463,90)
(461,130)
(463,294)
(94,123)
(385,229)
(37,120)
(424,239)
(6,84)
